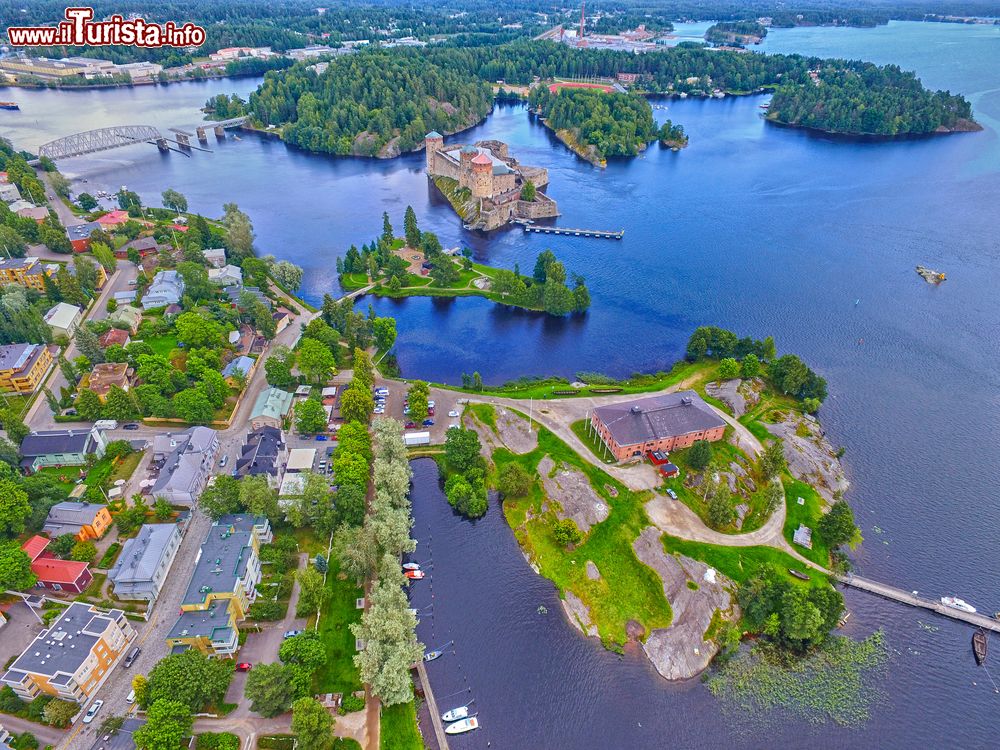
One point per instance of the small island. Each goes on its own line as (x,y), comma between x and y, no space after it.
(736,33)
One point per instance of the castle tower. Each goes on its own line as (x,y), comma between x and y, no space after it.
(482,176)
(465,157)
(433,142)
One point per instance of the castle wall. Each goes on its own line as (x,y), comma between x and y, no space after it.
(503,183)
(539,176)
(542,208)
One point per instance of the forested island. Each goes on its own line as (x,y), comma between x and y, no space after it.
(736,32)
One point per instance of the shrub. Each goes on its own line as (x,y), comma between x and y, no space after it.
(217,741)
(700,455)
(350,704)
(267,610)
(566,532)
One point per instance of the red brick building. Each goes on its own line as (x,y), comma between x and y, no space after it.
(671,421)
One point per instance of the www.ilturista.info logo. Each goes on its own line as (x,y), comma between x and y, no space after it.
(80,30)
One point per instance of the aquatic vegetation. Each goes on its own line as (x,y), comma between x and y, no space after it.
(836,682)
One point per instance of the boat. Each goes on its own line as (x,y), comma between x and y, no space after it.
(798,574)
(955,603)
(432,655)
(9,105)
(979,644)
(411,566)
(414,575)
(931,276)
(455,714)
(463,726)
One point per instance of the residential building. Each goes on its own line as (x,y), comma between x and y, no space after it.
(235,292)
(222,586)
(242,364)
(145,561)
(281,320)
(38,214)
(167,289)
(125,298)
(126,315)
(27,272)
(142,245)
(263,454)
(228,275)
(185,461)
(63,318)
(108,374)
(53,573)
(113,218)
(666,422)
(22,366)
(270,408)
(215,257)
(60,448)
(73,656)
(79,235)
(114,337)
(82,520)
(9,192)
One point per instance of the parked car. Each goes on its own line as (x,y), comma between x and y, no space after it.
(92,711)
(430,404)
(410,425)
(322,438)
(453,426)
(428,423)
(292,633)
(244,666)
(132,656)
(453,413)
(131,426)
(130,698)
(224,460)
(672,493)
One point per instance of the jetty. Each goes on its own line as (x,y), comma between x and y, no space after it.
(432,706)
(575,232)
(914,600)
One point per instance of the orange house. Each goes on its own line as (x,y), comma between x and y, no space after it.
(82,520)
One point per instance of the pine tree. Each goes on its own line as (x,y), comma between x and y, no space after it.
(387,235)
(410,228)
(89,346)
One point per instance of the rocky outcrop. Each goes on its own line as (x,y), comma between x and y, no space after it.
(809,454)
(737,394)
(681,651)
(571,490)
(579,614)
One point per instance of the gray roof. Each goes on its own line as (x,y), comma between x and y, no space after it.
(17,356)
(185,460)
(223,558)
(46,442)
(82,231)
(243,363)
(66,644)
(167,287)
(236,291)
(141,555)
(658,417)
(212,623)
(70,515)
(261,452)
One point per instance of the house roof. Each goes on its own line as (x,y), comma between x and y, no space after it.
(35,546)
(184,459)
(54,570)
(126,314)
(113,218)
(114,336)
(273,403)
(74,513)
(107,374)
(18,356)
(260,452)
(62,315)
(240,363)
(82,231)
(658,417)
(141,556)
(224,557)
(433,134)
(211,623)
(46,442)
(481,158)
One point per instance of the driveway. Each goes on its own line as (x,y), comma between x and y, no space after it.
(21,628)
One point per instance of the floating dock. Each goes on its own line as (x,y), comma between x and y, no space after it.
(575,232)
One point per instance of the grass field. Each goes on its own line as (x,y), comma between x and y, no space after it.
(338,674)
(398,728)
(809,514)
(162,345)
(595,445)
(742,563)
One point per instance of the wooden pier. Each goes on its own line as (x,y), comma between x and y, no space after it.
(432,706)
(575,232)
(913,600)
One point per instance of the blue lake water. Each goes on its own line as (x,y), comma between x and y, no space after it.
(760,229)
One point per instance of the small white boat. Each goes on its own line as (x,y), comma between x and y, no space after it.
(455,714)
(955,603)
(411,566)
(463,726)
(432,655)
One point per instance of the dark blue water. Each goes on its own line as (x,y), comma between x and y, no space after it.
(764,230)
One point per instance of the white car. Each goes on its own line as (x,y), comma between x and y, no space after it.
(430,404)
(453,413)
(453,426)
(130,698)
(92,711)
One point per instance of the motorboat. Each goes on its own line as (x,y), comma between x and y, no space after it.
(462,712)
(411,566)
(432,655)
(414,575)
(463,726)
(955,603)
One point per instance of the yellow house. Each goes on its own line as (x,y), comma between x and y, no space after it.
(83,520)
(222,586)
(27,272)
(22,366)
(74,656)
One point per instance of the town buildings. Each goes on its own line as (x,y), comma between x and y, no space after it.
(222,586)
(63,319)
(55,574)
(61,448)
(126,315)
(167,289)
(108,374)
(145,561)
(215,257)
(27,272)
(22,366)
(184,461)
(667,422)
(228,275)
(82,520)
(242,364)
(263,454)
(73,656)
(270,408)
(490,178)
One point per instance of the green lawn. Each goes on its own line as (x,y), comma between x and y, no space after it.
(485,413)
(162,345)
(338,674)
(742,563)
(398,728)
(627,589)
(351,281)
(594,443)
(809,514)
(71,473)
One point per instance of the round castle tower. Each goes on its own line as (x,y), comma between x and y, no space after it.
(433,142)
(482,176)
(465,157)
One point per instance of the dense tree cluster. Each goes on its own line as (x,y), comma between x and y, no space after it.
(729,32)
(363,101)
(614,124)
(545,289)
(465,486)
(795,616)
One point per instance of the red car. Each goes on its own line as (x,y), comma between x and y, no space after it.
(244,666)
(411,425)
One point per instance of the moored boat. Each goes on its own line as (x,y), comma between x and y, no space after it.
(432,655)
(798,574)
(955,603)
(414,575)
(460,727)
(9,105)
(455,714)
(979,645)
(411,566)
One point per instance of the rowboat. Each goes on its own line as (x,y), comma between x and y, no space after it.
(455,714)
(798,574)
(979,644)
(432,655)
(463,726)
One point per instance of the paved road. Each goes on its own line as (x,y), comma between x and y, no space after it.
(46,735)
(67,217)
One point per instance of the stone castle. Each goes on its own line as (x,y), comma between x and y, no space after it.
(489,182)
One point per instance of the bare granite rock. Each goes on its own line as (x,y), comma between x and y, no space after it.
(571,489)
(592,572)
(512,432)
(680,651)
(729,392)
(579,614)
(810,457)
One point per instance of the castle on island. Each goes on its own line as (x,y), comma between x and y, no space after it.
(485,185)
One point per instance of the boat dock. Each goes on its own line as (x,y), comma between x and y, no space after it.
(913,600)
(432,706)
(575,232)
